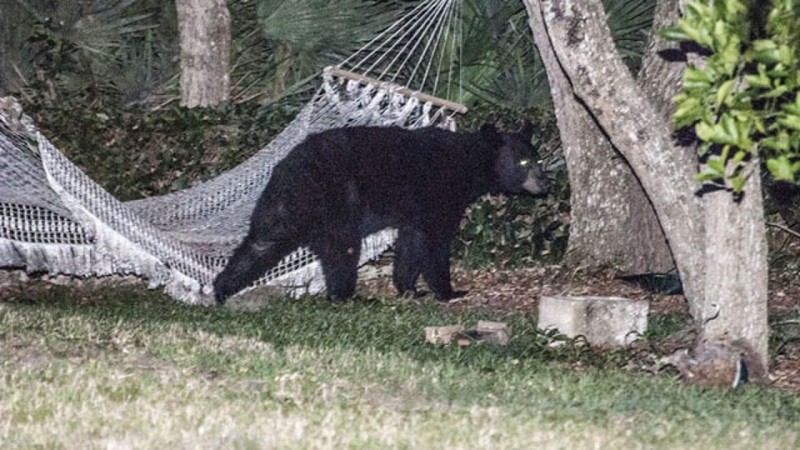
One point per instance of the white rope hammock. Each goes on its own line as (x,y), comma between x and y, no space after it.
(54,219)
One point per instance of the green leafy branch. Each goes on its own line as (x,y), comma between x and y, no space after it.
(744,100)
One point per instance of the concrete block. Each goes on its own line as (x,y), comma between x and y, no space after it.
(603,321)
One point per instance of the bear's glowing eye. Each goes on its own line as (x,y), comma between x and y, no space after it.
(524,162)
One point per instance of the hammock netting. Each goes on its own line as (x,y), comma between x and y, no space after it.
(55,219)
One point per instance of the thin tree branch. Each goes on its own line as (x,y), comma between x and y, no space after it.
(784,228)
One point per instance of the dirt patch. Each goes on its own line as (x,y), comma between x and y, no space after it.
(519,291)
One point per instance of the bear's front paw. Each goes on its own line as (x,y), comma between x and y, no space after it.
(332,298)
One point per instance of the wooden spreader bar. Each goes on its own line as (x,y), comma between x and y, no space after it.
(425,98)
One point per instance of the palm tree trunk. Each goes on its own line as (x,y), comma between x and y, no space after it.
(205,40)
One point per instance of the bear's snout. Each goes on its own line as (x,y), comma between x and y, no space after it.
(536,182)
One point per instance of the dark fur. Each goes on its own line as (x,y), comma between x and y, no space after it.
(339,185)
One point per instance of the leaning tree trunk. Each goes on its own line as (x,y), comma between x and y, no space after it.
(205,41)
(575,31)
(612,222)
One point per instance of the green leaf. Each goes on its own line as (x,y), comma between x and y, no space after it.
(721,35)
(707,176)
(731,134)
(705,131)
(764,45)
(738,157)
(704,148)
(730,54)
(790,121)
(765,51)
(688,111)
(791,108)
(785,55)
(779,143)
(722,93)
(697,79)
(673,34)
(737,183)
(716,165)
(777,92)
(781,168)
(733,10)
(696,10)
(759,125)
(744,127)
(695,29)
(759,81)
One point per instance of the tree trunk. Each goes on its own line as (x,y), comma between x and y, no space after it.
(734,308)
(3,44)
(579,38)
(205,40)
(612,220)
(660,80)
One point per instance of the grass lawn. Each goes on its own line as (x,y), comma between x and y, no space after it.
(128,368)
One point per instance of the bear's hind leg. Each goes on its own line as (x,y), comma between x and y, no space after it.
(409,252)
(250,261)
(436,270)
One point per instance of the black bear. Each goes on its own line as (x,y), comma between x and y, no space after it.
(342,184)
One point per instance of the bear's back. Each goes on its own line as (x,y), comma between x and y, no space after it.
(397,153)
(388,174)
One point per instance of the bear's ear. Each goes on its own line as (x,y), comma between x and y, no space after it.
(489,133)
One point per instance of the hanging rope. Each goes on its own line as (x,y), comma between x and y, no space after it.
(429,34)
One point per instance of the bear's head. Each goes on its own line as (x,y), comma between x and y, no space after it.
(517,168)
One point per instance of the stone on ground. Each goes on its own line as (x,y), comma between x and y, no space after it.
(603,321)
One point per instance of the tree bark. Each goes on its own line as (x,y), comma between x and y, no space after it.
(205,39)
(734,308)
(582,43)
(662,66)
(3,44)
(584,51)
(612,220)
